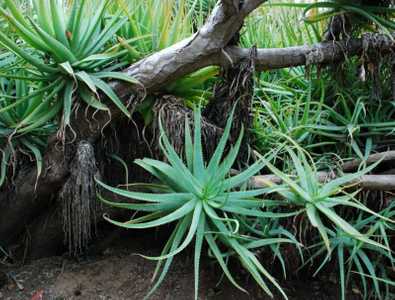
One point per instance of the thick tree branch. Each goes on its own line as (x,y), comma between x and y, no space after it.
(191,54)
(276,58)
(367,182)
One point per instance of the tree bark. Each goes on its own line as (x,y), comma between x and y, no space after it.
(367,182)
(353,165)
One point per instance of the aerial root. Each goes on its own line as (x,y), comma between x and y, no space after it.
(172,113)
(79,203)
(236,88)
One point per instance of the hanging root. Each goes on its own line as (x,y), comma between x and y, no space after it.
(314,58)
(237,86)
(339,27)
(79,202)
(374,47)
(172,113)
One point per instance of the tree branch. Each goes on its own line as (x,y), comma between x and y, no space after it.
(353,165)
(277,58)
(193,53)
(367,182)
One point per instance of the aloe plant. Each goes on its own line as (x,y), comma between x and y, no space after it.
(31,140)
(287,112)
(153,25)
(320,200)
(357,257)
(205,203)
(68,49)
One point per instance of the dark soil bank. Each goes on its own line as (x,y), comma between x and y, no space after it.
(116,272)
(118,276)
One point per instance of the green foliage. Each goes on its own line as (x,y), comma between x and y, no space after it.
(325,112)
(69,47)
(354,256)
(357,244)
(74,45)
(330,115)
(196,87)
(273,26)
(200,10)
(285,112)
(31,139)
(319,200)
(154,25)
(68,51)
(377,12)
(286,102)
(206,204)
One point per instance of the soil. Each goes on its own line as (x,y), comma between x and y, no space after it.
(113,271)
